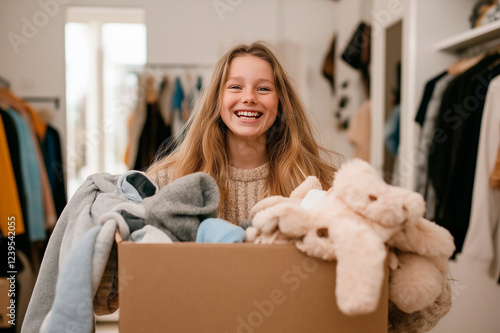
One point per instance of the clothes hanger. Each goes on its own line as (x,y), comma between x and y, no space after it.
(3,106)
(473,55)
(463,64)
(46,114)
(151,94)
(12,101)
(3,103)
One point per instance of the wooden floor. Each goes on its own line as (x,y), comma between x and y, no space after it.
(107,328)
(107,324)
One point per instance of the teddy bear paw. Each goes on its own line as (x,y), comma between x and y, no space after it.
(251,234)
(266,221)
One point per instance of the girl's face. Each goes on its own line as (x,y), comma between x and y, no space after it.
(249,100)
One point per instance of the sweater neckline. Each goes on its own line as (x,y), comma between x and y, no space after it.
(249,175)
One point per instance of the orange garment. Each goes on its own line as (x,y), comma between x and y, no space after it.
(9,197)
(39,125)
(495,174)
(359,132)
(38,130)
(126,157)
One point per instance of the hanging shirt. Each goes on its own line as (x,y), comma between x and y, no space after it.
(195,93)
(452,160)
(153,136)
(359,131)
(422,184)
(483,237)
(392,131)
(31,179)
(10,207)
(23,243)
(495,173)
(15,158)
(177,100)
(52,156)
(427,97)
(135,122)
(165,92)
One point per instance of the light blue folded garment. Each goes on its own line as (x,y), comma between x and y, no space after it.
(214,230)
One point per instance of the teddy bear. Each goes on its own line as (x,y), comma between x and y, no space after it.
(355,222)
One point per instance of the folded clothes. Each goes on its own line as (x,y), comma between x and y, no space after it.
(78,275)
(179,207)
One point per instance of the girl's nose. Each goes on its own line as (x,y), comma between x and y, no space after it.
(249,97)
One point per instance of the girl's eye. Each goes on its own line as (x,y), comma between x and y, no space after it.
(234,87)
(264,89)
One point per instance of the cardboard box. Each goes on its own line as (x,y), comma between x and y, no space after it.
(232,288)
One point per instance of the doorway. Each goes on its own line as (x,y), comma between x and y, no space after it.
(105,50)
(392,110)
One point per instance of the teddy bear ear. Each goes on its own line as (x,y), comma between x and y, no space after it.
(311,183)
(359,185)
(356,171)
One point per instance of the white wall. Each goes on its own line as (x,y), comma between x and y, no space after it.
(305,24)
(36,66)
(194,31)
(348,16)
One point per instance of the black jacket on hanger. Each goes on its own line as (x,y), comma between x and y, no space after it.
(15,158)
(452,157)
(426,98)
(52,156)
(153,134)
(22,241)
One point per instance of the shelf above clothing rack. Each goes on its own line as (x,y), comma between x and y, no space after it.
(470,38)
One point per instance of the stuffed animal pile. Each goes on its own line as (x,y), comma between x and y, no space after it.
(365,224)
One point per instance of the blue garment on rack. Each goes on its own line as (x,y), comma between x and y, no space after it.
(193,96)
(392,131)
(199,83)
(177,98)
(30,170)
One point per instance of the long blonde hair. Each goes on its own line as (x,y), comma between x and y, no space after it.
(292,150)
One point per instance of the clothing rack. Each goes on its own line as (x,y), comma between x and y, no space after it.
(4,82)
(54,100)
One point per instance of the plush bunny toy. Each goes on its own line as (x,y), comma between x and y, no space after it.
(355,222)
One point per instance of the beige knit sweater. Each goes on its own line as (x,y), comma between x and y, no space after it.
(245,190)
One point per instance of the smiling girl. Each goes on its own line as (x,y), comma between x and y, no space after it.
(250,132)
